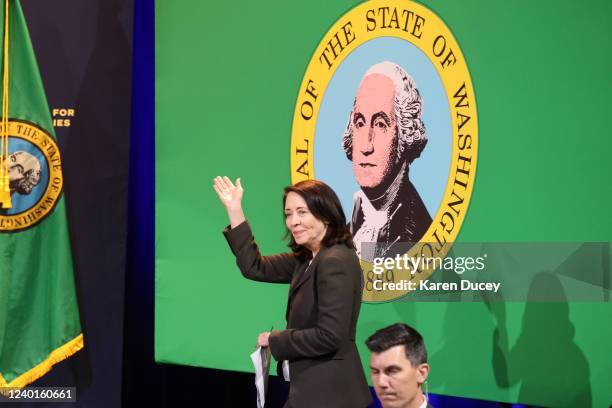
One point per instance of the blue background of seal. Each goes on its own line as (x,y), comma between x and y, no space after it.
(429,173)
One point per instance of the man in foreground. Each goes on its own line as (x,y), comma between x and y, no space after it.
(398,365)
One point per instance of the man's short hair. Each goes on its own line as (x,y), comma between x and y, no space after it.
(407,109)
(399,334)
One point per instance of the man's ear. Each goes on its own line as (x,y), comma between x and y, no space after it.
(422,372)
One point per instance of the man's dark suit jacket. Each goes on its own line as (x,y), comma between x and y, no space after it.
(322,311)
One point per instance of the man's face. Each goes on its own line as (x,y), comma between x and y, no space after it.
(24,172)
(374,136)
(15,170)
(396,381)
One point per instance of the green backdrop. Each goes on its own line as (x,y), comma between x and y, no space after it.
(227,77)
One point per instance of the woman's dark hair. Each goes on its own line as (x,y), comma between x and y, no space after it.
(324,204)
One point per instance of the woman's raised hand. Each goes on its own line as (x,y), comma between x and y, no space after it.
(229,194)
(231,197)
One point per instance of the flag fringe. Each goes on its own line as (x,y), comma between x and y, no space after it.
(59,354)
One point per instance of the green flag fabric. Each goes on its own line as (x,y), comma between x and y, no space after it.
(228,81)
(39,319)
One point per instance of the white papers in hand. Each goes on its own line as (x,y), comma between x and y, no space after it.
(261,361)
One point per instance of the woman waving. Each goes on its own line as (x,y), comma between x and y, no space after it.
(318,350)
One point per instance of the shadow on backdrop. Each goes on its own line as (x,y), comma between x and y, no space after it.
(545,359)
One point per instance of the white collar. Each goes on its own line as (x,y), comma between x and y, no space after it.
(372,216)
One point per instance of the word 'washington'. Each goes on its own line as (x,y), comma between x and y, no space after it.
(415,264)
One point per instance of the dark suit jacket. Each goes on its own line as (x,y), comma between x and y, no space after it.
(322,311)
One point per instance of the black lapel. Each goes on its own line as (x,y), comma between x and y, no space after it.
(301,277)
(297,276)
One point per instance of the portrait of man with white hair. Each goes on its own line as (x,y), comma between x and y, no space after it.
(24,172)
(384,135)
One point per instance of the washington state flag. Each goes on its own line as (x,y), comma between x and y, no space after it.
(39,318)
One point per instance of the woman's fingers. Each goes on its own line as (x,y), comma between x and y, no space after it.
(225,189)
(263,339)
(228,182)
(222,194)
(219,183)
(222,183)
(225,184)
(219,191)
(219,187)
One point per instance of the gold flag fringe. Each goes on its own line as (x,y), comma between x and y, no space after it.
(44,367)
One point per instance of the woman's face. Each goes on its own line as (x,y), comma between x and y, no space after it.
(306,229)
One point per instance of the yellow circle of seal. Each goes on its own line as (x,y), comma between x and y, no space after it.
(33,168)
(421,27)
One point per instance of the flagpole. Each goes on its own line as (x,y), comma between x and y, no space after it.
(5,192)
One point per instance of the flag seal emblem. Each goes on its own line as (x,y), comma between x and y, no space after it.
(386,115)
(35,176)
